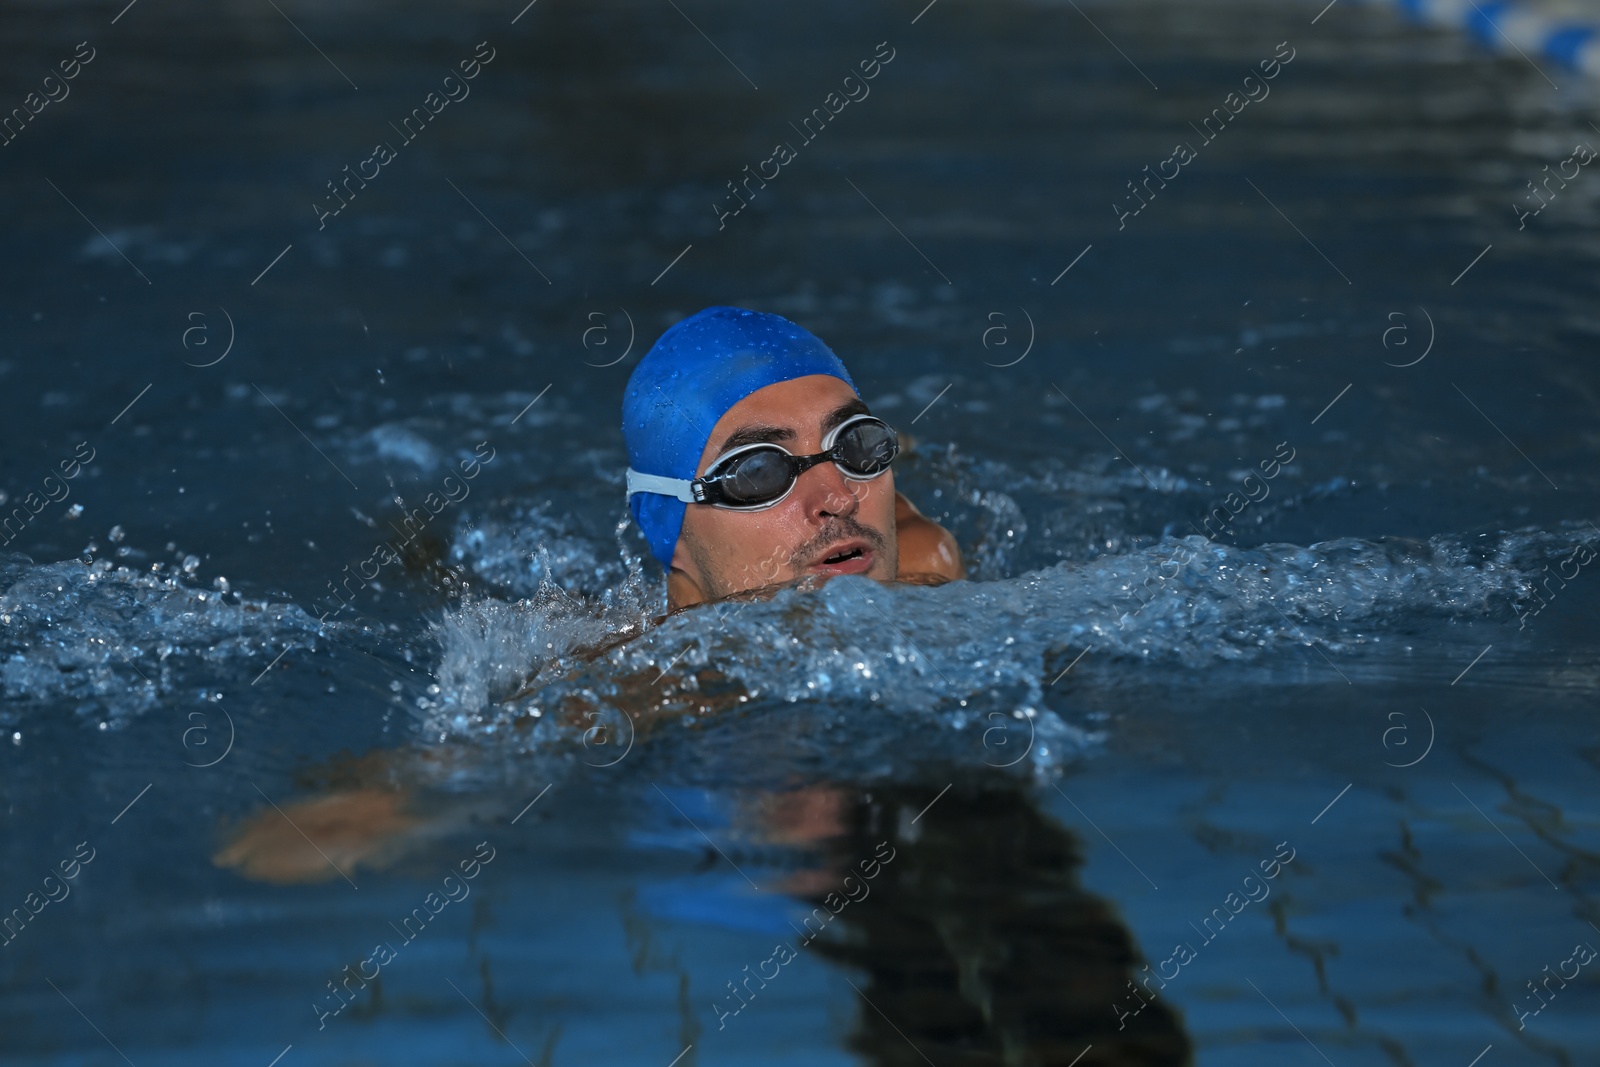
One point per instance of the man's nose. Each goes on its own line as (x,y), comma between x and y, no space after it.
(827,493)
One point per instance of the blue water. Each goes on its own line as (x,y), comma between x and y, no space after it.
(1278,499)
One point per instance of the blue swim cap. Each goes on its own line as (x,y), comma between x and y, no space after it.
(696,371)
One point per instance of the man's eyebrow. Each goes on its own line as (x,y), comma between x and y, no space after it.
(755,435)
(856,406)
(762,434)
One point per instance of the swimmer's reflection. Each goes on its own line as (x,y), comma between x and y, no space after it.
(964,911)
(977,942)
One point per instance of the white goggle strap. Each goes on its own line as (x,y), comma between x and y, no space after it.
(677,488)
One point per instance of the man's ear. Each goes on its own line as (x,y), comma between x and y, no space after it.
(682,591)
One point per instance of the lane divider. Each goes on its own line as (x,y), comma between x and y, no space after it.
(1566,34)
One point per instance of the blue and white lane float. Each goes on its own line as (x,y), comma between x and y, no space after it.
(1566,34)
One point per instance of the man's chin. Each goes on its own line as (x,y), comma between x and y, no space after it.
(816,577)
(869,563)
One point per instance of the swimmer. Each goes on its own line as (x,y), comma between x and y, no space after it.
(754,463)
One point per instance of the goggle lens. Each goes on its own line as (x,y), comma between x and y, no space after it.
(757,476)
(867,448)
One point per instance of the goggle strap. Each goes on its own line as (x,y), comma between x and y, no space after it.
(677,488)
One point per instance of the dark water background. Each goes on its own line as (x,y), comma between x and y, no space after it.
(1382,604)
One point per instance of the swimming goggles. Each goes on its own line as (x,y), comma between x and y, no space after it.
(753,477)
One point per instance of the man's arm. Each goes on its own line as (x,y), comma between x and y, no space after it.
(928,553)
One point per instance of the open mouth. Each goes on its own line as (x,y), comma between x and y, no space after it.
(848,557)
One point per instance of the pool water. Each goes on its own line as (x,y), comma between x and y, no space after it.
(337,725)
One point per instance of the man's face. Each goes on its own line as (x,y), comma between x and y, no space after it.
(827,525)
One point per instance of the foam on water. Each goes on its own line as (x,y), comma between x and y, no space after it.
(114,641)
(585,652)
